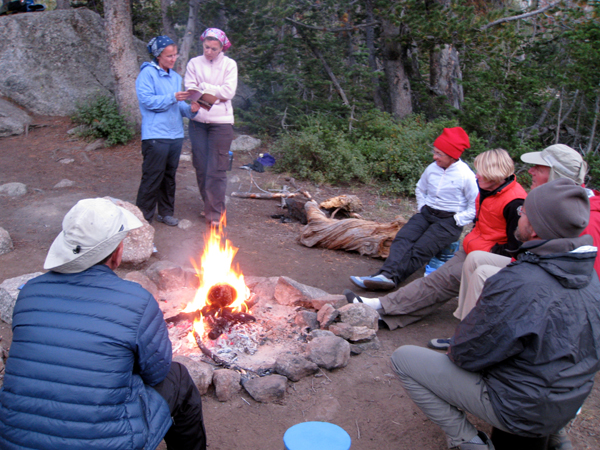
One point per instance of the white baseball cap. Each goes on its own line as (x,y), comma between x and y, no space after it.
(562,159)
(91,231)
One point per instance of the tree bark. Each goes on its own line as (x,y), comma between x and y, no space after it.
(397,78)
(123,58)
(370,41)
(167,25)
(445,75)
(188,38)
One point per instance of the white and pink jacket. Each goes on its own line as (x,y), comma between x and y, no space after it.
(220,76)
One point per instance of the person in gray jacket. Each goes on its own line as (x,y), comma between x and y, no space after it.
(524,359)
(90,361)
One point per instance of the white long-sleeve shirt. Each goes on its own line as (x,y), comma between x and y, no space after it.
(453,189)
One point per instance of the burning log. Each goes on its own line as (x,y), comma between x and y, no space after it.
(208,352)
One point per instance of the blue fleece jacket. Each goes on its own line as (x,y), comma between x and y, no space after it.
(86,348)
(161,113)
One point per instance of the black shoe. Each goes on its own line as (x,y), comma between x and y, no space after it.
(350,296)
(167,220)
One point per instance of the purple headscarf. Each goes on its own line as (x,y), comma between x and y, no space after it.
(217,34)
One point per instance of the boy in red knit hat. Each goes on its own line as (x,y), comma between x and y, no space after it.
(446,195)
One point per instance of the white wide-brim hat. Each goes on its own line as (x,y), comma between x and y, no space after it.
(91,231)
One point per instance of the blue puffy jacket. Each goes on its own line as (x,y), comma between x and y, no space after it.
(161,113)
(86,347)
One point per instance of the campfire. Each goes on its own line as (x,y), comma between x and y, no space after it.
(220,301)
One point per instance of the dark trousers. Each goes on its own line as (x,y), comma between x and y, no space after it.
(185,404)
(161,158)
(210,154)
(423,236)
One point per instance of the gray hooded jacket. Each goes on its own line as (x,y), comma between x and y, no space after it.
(535,335)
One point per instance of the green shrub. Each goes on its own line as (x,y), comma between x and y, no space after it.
(378,148)
(103,120)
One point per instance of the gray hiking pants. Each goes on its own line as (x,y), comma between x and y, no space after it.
(444,391)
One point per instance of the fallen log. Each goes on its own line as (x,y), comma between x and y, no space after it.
(363,236)
(268,196)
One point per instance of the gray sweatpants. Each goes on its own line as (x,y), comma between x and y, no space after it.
(444,391)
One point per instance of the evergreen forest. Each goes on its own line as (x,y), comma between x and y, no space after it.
(357,90)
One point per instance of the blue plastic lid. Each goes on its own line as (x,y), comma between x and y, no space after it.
(316,436)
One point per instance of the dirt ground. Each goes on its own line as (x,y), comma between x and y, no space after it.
(364,398)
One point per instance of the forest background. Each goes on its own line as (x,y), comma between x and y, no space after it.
(357,90)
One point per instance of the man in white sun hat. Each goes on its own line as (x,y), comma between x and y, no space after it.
(90,361)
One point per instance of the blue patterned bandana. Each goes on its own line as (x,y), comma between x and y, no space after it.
(158,44)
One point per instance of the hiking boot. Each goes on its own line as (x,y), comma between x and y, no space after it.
(358,281)
(559,441)
(487,443)
(378,283)
(167,220)
(439,344)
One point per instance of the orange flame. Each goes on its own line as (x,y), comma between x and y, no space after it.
(215,268)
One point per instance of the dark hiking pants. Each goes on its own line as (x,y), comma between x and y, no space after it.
(185,404)
(423,236)
(161,158)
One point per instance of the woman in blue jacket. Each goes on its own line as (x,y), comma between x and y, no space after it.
(162,106)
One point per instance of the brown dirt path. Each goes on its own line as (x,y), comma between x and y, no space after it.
(364,398)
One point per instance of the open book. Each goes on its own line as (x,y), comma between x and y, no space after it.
(205,98)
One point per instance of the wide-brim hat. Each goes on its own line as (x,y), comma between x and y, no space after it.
(91,231)
(564,161)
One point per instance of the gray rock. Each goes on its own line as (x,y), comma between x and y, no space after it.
(351,333)
(266,389)
(184,224)
(13,189)
(64,183)
(359,315)
(330,352)
(371,344)
(319,333)
(37,73)
(13,120)
(96,145)
(306,319)
(193,189)
(245,143)
(139,243)
(9,291)
(294,367)
(144,281)
(262,288)
(77,130)
(185,157)
(66,161)
(337,301)
(227,384)
(291,293)
(167,275)
(6,243)
(201,373)
(326,315)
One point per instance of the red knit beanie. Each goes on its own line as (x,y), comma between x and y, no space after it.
(452,141)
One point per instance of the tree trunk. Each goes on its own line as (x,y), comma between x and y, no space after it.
(63,4)
(123,58)
(445,75)
(393,64)
(188,38)
(167,25)
(370,41)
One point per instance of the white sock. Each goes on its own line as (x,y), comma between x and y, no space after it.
(372,302)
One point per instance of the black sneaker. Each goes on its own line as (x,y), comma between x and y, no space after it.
(167,220)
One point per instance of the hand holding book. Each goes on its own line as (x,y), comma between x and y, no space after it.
(205,98)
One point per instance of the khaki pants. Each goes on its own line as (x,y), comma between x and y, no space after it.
(424,295)
(477,268)
(444,391)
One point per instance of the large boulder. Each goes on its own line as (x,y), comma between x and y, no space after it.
(12,119)
(54,60)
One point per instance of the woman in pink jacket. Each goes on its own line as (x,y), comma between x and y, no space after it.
(211,131)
